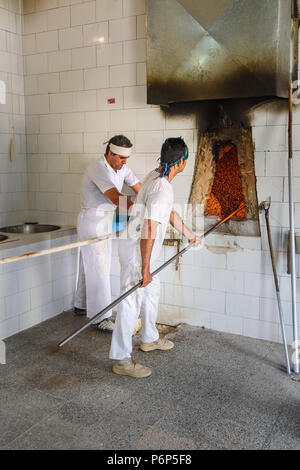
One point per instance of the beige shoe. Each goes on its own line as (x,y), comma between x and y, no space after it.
(128,367)
(163,344)
(138,326)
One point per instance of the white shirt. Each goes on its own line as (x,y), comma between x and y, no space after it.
(154,202)
(99,178)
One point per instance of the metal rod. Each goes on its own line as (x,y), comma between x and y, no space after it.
(266,209)
(292,232)
(130,291)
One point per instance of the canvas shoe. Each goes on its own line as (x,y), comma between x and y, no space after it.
(106,325)
(79,311)
(128,367)
(138,326)
(162,344)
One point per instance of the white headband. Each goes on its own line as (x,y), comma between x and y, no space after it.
(123,151)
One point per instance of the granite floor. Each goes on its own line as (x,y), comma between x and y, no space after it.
(212,391)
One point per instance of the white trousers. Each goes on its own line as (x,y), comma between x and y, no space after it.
(143,302)
(93,290)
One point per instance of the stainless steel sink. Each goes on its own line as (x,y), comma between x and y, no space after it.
(29,228)
(2,238)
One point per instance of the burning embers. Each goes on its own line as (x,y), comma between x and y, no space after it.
(224,177)
(226,192)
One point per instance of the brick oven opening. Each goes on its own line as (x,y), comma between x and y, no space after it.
(224,177)
(226,192)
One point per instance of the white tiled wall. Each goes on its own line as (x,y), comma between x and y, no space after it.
(36,289)
(77,56)
(13,177)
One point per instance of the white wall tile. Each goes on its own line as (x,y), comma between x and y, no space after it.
(211,303)
(71,184)
(84,57)
(40,295)
(123,75)
(179,295)
(73,122)
(242,306)
(58,163)
(46,202)
(98,121)
(262,330)
(29,46)
(68,202)
(267,186)
(46,4)
(108,9)
(93,143)
(71,143)
(36,64)
(95,33)
(110,54)
(85,100)
(38,104)
(133,7)
(70,38)
(135,51)
(141,26)
(59,61)
(141,74)
(35,23)
(122,29)
(96,78)
(83,13)
(226,323)
(227,281)
(47,41)
(71,80)
(48,83)
(58,18)
(50,124)
(135,97)
(48,143)
(123,120)
(61,103)
(272,138)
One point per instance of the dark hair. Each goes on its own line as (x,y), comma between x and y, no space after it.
(172,149)
(119,140)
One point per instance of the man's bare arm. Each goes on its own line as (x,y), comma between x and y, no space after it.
(148,237)
(136,187)
(177,222)
(118,199)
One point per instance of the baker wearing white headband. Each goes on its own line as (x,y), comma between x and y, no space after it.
(101,195)
(124,151)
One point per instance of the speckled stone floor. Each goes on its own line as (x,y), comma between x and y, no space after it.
(212,391)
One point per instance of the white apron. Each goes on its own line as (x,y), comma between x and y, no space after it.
(93,290)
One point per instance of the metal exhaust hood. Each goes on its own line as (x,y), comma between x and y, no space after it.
(219,49)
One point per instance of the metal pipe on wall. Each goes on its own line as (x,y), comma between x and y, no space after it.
(292,232)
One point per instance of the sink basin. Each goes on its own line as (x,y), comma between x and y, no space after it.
(2,238)
(29,228)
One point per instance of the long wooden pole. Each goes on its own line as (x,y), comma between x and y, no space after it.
(56,249)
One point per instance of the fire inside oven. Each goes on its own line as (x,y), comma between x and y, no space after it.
(226,192)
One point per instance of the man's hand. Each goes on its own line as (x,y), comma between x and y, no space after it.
(147,278)
(196,240)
